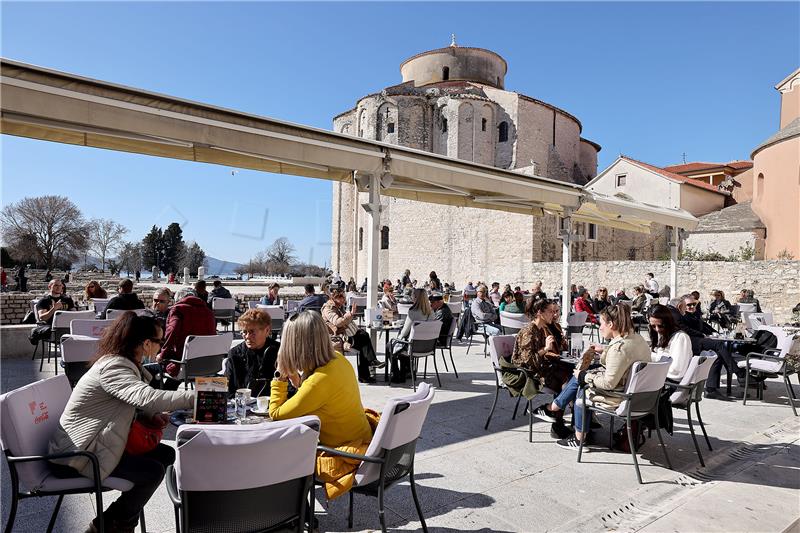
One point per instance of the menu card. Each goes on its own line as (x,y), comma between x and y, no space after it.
(211,400)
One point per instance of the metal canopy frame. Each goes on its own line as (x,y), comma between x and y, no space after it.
(55,106)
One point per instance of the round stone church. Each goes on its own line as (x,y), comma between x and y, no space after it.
(452,101)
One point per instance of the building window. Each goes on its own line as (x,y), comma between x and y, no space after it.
(561,226)
(445,73)
(390,127)
(760,185)
(591,232)
(621,179)
(360,239)
(631,254)
(444,125)
(502,131)
(385,238)
(483,124)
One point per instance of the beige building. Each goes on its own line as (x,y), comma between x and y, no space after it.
(735,177)
(776,176)
(453,101)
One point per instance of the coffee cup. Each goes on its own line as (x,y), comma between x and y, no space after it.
(244,393)
(262,402)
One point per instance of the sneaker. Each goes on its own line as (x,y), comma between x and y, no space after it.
(377,364)
(716,395)
(544,414)
(570,443)
(559,431)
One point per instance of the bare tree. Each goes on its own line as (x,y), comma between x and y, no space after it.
(51,228)
(280,256)
(105,237)
(130,256)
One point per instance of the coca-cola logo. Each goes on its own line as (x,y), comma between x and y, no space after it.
(38,411)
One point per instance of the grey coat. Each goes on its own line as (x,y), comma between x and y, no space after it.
(101,409)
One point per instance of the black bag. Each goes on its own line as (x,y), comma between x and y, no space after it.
(621,442)
(30,318)
(39,333)
(765,340)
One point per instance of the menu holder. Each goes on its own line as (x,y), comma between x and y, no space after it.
(211,400)
(388,316)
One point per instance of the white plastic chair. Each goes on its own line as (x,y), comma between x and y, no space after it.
(89,327)
(771,363)
(225,310)
(30,416)
(59,327)
(690,391)
(203,356)
(503,346)
(513,322)
(100,304)
(76,352)
(222,482)
(276,315)
(403,309)
(390,456)
(422,344)
(113,314)
(640,399)
(753,321)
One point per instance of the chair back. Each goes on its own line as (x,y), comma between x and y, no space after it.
(403,309)
(223,304)
(455,307)
(29,416)
(100,304)
(62,319)
(644,386)
(252,304)
(424,336)
(113,314)
(695,377)
(203,354)
(513,322)
(746,308)
(501,346)
(577,319)
(396,435)
(76,352)
(276,315)
(292,305)
(89,327)
(245,477)
(754,320)
(496,298)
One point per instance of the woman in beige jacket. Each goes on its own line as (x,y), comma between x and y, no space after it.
(625,348)
(100,412)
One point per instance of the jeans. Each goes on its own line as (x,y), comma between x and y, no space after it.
(145,471)
(577,413)
(490,329)
(567,394)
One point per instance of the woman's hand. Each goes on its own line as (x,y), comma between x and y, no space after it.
(598,348)
(295,380)
(160,420)
(550,344)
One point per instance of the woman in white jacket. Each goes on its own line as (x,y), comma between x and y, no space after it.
(103,406)
(667,339)
(420,312)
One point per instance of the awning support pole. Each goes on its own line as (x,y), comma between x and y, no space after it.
(674,244)
(373,209)
(566,266)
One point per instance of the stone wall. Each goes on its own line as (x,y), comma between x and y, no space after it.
(776,283)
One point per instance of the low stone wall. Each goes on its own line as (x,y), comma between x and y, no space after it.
(776,283)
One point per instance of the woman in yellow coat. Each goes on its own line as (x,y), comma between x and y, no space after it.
(326,387)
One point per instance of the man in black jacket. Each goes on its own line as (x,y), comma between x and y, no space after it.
(251,364)
(441,311)
(126,300)
(696,328)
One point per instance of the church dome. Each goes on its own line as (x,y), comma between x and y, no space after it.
(455,63)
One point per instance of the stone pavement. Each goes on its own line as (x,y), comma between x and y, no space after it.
(470,479)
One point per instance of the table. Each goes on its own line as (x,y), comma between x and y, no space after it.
(388,329)
(731,341)
(178,418)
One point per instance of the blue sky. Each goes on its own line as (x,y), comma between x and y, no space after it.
(650,80)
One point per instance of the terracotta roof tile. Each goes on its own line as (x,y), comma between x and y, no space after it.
(674,176)
(701,165)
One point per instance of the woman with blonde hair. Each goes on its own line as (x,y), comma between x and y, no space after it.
(325,382)
(420,311)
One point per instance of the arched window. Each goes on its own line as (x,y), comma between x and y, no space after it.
(385,238)
(445,73)
(360,239)
(444,125)
(483,124)
(760,185)
(502,131)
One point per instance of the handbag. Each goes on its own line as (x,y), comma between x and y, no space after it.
(143,437)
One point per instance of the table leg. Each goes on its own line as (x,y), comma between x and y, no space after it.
(386,358)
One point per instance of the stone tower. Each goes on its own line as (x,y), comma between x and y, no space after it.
(452,101)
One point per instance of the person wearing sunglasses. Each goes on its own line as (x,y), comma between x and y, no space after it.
(667,339)
(100,412)
(161,303)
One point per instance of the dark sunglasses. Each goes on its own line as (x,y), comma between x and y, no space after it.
(691,305)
